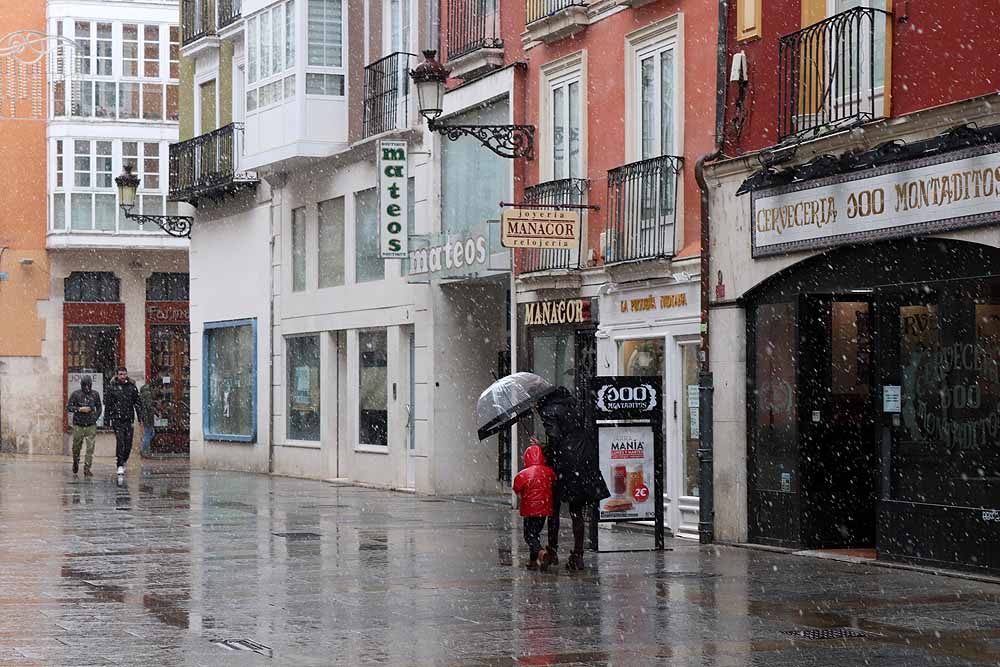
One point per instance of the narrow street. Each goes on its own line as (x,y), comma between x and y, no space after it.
(166,567)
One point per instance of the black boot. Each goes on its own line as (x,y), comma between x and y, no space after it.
(574,562)
(76,466)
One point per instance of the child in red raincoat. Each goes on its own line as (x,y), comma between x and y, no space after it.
(534,487)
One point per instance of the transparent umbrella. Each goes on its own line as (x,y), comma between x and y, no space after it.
(507,400)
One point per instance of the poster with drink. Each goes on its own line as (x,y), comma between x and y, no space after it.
(626,455)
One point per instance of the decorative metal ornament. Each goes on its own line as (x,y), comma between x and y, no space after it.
(508,141)
(178,226)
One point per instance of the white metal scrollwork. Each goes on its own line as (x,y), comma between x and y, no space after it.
(30,62)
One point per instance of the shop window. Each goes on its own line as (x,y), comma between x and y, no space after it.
(775,399)
(168,287)
(641,357)
(230,380)
(299,250)
(373,415)
(92,350)
(369,263)
(554,358)
(690,426)
(331,242)
(91,287)
(303,387)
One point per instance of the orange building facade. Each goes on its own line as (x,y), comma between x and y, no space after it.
(24,269)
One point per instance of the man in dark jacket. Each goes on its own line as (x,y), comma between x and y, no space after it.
(123,406)
(85,406)
(571,452)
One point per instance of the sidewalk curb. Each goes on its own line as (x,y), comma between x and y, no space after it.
(953,574)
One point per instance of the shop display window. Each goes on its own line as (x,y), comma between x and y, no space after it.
(93,349)
(373,415)
(230,380)
(641,357)
(303,387)
(690,425)
(554,359)
(775,458)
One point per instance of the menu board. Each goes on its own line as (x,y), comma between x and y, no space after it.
(626,458)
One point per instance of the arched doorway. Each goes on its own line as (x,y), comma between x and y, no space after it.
(874,402)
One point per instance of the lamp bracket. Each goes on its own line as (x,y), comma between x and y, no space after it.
(509,141)
(178,226)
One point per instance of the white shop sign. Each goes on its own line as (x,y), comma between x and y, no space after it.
(960,189)
(661,303)
(392,195)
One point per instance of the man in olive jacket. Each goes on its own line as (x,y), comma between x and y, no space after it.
(123,405)
(85,406)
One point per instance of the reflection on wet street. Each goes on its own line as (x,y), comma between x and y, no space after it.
(209,568)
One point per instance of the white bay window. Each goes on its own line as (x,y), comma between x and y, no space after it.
(270,44)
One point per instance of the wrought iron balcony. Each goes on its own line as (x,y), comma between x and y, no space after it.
(228,11)
(831,74)
(563,191)
(197,20)
(540,9)
(208,165)
(387,94)
(473,25)
(642,209)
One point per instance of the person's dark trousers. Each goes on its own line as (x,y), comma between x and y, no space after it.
(123,442)
(532,534)
(576,512)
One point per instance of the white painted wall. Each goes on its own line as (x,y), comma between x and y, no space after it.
(230,253)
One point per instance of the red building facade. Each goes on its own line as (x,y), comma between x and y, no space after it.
(855,277)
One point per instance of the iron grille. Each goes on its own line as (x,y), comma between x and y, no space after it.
(197,19)
(562,191)
(229,11)
(539,9)
(642,209)
(473,25)
(387,91)
(831,74)
(207,163)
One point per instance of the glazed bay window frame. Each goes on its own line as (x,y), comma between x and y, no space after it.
(326,48)
(208,393)
(124,74)
(83,170)
(560,91)
(270,41)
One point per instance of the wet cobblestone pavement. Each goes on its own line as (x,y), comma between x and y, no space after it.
(167,567)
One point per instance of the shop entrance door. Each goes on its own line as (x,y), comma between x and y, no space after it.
(169,373)
(839,442)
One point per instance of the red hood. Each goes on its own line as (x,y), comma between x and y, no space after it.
(533,456)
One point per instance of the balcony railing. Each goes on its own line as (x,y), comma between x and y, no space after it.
(387,93)
(642,209)
(473,25)
(208,165)
(539,9)
(197,19)
(831,74)
(228,11)
(564,191)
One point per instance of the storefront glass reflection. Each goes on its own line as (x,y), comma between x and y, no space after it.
(303,388)
(641,357)
(555,359)
(230,370)
(775,414)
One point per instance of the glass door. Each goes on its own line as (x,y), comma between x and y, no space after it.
(682,449)
(411,401)
(170,378)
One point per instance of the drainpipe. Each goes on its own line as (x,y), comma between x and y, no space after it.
(706,486)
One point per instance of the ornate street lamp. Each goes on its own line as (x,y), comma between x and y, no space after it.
(509,141)
(128,184)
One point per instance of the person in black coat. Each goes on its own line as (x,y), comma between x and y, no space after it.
(85,406)
(121,406)
(572,455)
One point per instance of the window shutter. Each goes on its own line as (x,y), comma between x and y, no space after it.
(748,19)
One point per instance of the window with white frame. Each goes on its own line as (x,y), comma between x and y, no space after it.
(84,197)
(565,119)
(325,48)
(270,44)
(128,71)
(654,90)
